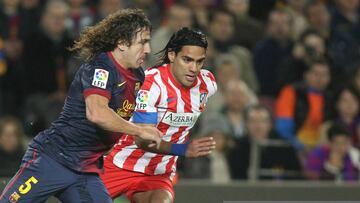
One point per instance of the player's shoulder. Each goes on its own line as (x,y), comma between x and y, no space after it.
(206,74)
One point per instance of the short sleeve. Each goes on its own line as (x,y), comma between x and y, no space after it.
(147,100)
(97,80)
(210,81)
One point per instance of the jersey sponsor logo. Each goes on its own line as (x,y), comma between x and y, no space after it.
(126,110)
(180,119)
(100,78)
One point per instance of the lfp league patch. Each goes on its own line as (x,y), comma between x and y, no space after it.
(142,99)
(100,78)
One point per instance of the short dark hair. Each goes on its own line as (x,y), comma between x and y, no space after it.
(183,37)
(257,107)
(338,129)
(122,26)
(220,10)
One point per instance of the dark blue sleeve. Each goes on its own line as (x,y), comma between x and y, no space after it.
(97,80)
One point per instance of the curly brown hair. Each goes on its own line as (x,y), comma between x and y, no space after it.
(119,27)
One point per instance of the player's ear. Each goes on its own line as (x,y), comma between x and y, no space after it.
(171,56)
(121,46)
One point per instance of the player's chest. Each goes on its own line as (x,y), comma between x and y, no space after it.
(124,96)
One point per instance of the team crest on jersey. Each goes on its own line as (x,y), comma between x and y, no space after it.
(14,197)
(100,78)
(203,99)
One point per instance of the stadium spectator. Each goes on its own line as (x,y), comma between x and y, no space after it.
(221,30)
(270,52)
(178,16)
(347,109)
(296,10)
(310,46)
(214,167)
(46,54)
(237,97)
(345,27)
(302,107)
(12,146)
(79,18)
(259,129)
(248,29)
(107,7)
(318,17)
(337,160)
(200,10)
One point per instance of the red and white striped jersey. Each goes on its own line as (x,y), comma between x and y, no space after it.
(174,109)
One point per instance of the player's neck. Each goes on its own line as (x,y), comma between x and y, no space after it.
(119,58)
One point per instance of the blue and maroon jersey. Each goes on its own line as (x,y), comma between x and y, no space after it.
(73,140)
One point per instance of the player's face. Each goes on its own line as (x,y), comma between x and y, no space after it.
(134,55)
(186,64)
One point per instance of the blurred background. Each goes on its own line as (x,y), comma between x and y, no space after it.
(286,114)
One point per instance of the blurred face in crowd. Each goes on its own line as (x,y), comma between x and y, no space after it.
(340,144)
(258,124)
(196,4)
(222,27)
(9,138)
(357,78)
(133,56)
(27,4)
(187,63)
(226,72)
(238,7)
(318,16)
(54,18)
(236,95)
(347,104)
(315,43)
(297,5)
(11,3)
(76,3)
(279,25)
(107,7)
(179,16)
(348,5)
(318,76)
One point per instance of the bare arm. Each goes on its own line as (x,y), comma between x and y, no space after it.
(98,112)
(196,147)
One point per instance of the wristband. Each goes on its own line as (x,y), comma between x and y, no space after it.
(178,149)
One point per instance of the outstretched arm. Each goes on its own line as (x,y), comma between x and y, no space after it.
(98,112)
(194,148)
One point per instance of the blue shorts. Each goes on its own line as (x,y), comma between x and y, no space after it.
(41,177)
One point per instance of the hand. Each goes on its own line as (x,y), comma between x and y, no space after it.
(200,147)
(152,134)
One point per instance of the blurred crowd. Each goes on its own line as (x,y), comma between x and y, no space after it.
(288,74)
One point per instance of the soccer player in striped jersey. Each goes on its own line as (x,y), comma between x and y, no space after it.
(172,97)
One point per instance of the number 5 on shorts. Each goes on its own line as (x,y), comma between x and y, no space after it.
(25,189)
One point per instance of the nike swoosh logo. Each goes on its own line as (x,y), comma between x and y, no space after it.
(121,84)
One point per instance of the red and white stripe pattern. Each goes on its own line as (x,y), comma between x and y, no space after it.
(174,104)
